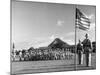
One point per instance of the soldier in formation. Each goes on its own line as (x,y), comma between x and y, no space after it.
(80,53)
(87,50)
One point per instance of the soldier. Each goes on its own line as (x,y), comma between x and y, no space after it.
(80,53)
(87,50)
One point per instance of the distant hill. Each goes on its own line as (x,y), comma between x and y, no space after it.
(58,43)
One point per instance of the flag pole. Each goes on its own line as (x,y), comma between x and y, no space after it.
(79,18)
(75,39)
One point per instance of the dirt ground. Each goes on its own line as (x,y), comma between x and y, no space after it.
(51,65)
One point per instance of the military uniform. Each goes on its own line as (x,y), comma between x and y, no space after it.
(80,53)
(87,50)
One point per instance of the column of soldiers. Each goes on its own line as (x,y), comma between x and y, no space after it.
(86,48)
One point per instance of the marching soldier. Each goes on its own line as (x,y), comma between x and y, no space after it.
(87,50)
(80,53)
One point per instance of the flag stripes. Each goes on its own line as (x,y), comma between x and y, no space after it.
(81,27)
(82,22)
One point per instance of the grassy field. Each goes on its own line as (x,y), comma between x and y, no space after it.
(49,66)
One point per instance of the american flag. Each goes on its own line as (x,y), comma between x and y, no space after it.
(82,22)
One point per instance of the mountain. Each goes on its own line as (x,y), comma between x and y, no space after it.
(58,43)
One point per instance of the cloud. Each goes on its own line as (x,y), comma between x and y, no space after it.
(91,16)
(71,34)
(92,26)
(52,37)
(60,23)
(69,41)
(40,42)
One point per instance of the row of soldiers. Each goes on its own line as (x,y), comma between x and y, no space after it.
(34,55)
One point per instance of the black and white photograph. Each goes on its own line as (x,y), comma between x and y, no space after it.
(52,37)
(85,37)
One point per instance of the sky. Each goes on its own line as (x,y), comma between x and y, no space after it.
(88,11)
(36,24)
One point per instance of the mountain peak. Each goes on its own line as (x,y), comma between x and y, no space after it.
(58,43)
